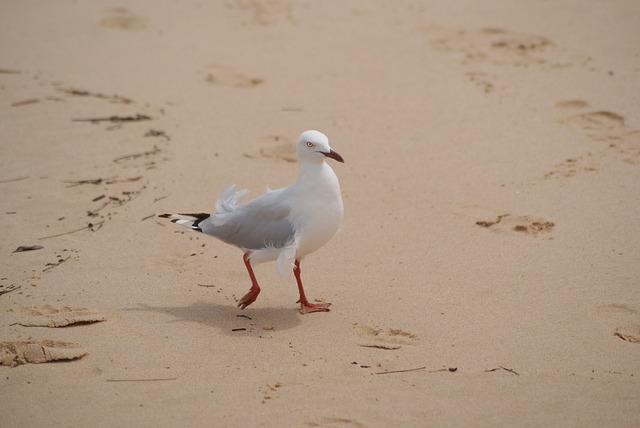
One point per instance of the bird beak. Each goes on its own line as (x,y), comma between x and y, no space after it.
(334,155)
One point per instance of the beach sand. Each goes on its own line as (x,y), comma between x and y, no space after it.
(487,270)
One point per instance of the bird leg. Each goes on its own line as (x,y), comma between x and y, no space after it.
(305,306)
(252,295)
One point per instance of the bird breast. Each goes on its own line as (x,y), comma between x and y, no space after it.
(319,215)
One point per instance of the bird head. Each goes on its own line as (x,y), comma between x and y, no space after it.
(314,146)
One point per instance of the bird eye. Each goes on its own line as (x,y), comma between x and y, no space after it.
(309,144)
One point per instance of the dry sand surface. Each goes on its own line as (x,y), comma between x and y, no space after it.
(487,272)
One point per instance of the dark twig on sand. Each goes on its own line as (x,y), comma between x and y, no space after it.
(503,368)
(23,248)
(11,180)
(94,181)
(25,102)
(486,223)
(142,380)
(90,226)
(54,265)
(83,93)
(403,371)
(9,290)
(115,119)
(155,151)
(156,133)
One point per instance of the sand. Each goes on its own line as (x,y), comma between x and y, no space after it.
(487,270)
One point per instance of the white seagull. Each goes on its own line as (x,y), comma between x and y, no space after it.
(284,224)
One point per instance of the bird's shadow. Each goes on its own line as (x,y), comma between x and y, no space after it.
(229,319)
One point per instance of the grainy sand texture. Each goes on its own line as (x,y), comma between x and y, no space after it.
(488,269)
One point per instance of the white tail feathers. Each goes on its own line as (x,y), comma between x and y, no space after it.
(228,199)
(226,204)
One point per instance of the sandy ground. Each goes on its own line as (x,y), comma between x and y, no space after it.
(487,270)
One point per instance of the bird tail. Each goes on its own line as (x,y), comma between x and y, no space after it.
(192,221)
(227,204)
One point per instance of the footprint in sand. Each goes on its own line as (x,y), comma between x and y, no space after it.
(35,352)
(508,223)
(121,18)
(483,81)
(622,314)
(497,46)
(48,316)
(279,148)
(335,423)
(225,76)
(383,338)
(270,392)
(598,125)
(628,333)
(265,13)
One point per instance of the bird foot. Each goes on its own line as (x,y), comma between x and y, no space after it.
(307,308)
(248,298)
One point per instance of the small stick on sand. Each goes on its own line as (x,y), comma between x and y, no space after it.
(404,371)
(155,151)
(89,226)
(9,291)
(11,180)
(142,380)
(117,119)
(53,265)
(503,368)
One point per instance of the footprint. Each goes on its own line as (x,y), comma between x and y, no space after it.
(482,80)
(571,166)
(615,308)
(48,316)
(122,19)
(517,224)
(498,46)
(335,422)
(226,76)
(279,148)
(598,125)
(383,338)
(597,122)
(629,333)
(270,391)
(572,104)
(621,314)
(266,13)
(36,352)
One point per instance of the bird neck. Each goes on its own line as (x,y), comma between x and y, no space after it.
(315,173)
(311,171)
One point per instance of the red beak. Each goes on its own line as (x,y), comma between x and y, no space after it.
(334,155)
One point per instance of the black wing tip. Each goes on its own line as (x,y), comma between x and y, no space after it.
(199,218)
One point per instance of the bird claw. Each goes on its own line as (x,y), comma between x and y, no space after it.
(307,308)
(248,298)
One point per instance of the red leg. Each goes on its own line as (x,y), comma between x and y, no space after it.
(305,306)
(252,295)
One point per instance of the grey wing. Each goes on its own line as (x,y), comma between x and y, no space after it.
(260,223)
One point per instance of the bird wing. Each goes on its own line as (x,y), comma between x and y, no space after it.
(260,223)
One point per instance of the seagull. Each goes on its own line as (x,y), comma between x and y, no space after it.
(284,224)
